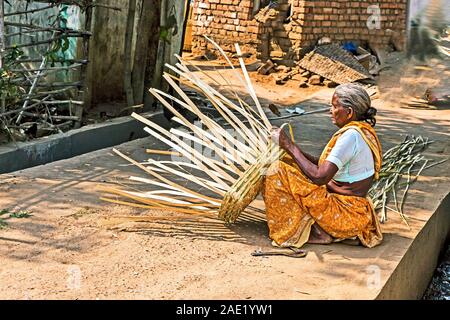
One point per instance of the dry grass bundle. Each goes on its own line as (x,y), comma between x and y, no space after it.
(233,177)
(397,174)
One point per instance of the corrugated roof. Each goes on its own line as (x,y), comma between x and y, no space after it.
(334,63)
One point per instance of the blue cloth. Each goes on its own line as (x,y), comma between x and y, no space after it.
(350,47)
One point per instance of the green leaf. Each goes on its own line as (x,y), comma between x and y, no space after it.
(20,214)
(3,224)
(163,32)
(66,45)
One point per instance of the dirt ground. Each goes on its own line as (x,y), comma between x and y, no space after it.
(75,246)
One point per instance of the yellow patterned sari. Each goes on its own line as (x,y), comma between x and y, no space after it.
(294,203)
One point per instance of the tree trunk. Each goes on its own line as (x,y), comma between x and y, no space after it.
(159,65)
(2,33)
(170,9)
(127,53)
(151,56)
(181,9)
(146,46)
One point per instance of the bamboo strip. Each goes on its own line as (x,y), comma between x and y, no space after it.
(161,178)
(182,147)
(211,124)
(155,202)
(171,209)
(163,152)
(200,132)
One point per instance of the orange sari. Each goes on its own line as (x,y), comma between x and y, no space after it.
(294,203)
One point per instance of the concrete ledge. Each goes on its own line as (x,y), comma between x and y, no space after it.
(21,155)
(413,273)
(171,256)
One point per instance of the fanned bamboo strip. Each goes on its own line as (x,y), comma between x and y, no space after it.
(182,70)
(229,63)
(211,124)
(192,127)
(228,158)
(171,209)
(213,201)
(185,149)
(257,126)
(166,201)
(199,131)
(157,203)
(192,178)
(250,118)
(251,90)
(163,152)
(229,87)
(236,171)
(161,178)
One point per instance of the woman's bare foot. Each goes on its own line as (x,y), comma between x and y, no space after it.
(318,236)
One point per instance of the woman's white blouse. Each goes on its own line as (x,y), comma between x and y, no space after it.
(352,156)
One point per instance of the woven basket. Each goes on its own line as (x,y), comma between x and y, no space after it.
(248,186)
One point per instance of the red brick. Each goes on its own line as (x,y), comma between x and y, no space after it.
(318,17)
(295,35)
(229,27)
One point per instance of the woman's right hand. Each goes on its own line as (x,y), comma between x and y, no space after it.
(279,136)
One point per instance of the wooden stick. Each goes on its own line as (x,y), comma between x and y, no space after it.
(163,152)
(82,61)
(61,102)
(46,41)
(41,28)
(29,11)
(19,117)
(22,109)
(73,66)
(38,115)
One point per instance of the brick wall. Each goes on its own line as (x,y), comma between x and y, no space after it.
(347,20)
(230,21)
(226,22)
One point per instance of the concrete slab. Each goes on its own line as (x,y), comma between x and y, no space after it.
(21,155)
(78,247)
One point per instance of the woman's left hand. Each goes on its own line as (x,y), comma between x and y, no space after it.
(279,136)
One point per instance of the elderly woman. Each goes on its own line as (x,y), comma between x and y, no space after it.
(323,200)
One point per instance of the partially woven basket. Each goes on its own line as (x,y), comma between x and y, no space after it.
(221,186)
(248,186)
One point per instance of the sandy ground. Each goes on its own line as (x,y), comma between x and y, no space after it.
(75,246)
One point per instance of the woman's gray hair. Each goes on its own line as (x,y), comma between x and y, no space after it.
(354,96)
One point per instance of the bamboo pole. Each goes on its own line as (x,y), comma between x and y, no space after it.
(44,60)
(23,109)
(30,11)
(128,85)
(159,65)
(2,32)
(72,66)
(47,41)
(38,28)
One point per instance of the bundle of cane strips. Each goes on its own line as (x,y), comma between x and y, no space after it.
(231,179)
